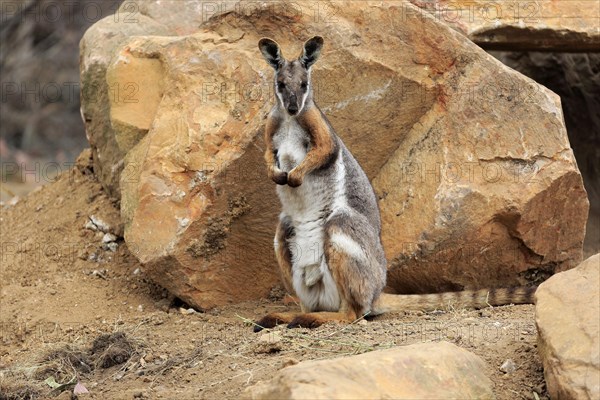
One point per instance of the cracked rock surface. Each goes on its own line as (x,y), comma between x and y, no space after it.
(567,26)
(470,160)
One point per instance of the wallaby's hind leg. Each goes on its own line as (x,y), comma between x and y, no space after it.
(284,232)
(316,319)
(357,265)
(283,235)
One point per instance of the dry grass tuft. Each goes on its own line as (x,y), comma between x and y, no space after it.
(18,391)
(113,349)
(63,363)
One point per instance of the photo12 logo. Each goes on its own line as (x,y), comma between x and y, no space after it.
(68,11)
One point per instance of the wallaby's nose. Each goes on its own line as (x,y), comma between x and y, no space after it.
(293,109)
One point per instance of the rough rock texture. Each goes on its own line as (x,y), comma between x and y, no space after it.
(575,77)
(96,50)
(103,98)
(421,371)
(470,160)
(568,322)
(522,25)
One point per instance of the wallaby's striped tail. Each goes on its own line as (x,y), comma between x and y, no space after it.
(464,299)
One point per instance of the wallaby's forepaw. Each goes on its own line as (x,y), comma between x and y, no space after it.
(294,179)
(278,176)
(310,321)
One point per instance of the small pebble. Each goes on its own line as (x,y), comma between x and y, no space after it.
(270,337)
(508,366)
(112,246)
(108,238)
(94,223)
(288,362)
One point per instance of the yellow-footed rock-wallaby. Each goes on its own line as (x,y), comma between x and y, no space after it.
(328,240)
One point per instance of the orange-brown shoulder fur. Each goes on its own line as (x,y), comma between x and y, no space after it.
(275,174)
(322,145)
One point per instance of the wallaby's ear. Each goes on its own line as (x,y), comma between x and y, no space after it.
(312,50)
(270,51)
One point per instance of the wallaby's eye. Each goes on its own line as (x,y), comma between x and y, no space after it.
(304,85)
(280,85)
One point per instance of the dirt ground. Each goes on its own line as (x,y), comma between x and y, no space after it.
(74,310)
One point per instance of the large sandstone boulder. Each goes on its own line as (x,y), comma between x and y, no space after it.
(103,98)
(522,25)
(470,160)
(574,77)
(567,315)
(420,371)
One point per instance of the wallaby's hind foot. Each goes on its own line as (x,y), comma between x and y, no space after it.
(315,319)
(273,319)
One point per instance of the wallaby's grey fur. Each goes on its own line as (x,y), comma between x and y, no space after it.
(328,240)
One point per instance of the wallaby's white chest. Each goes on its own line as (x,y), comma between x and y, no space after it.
(308,207)
(291,143)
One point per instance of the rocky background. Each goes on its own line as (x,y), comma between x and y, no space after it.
(473,165)
(483,178)
(41,121)
(575,77)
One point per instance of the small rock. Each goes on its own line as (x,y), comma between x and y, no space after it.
(108,238)
(89,225)
(288,362)
(187,311)
(140,308)
(508,367)
(52,292)
(112,246)
(96,224)
(270,337)
(100,273)
(137,271)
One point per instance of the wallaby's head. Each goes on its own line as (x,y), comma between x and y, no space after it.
(292,78)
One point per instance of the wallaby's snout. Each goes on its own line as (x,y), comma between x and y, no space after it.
(293,106)
(292,78)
